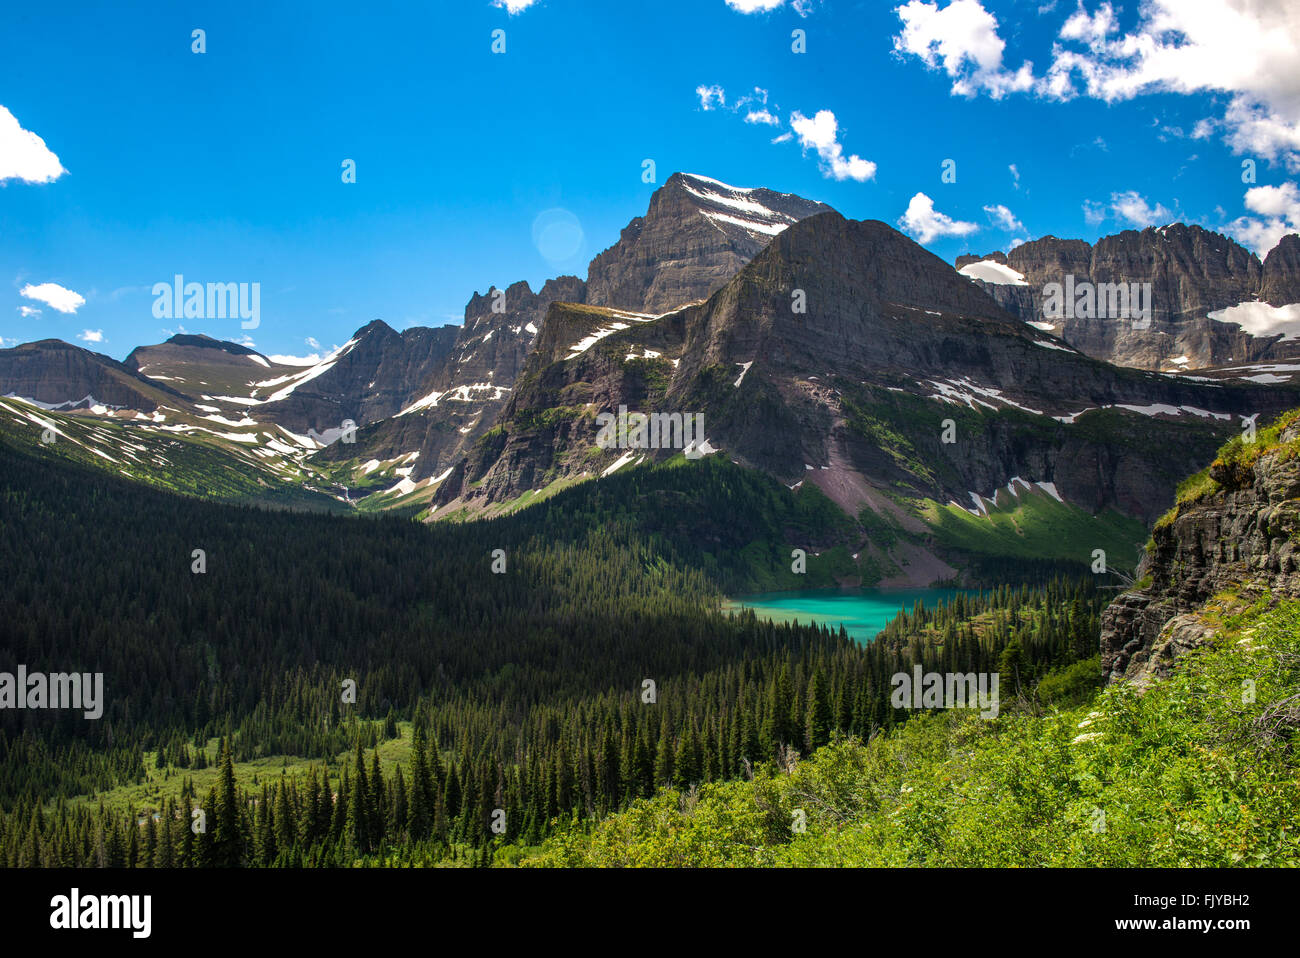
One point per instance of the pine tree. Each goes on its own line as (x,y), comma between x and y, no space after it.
(228,842)
(818,720)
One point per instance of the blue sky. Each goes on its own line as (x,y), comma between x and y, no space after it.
(226,165)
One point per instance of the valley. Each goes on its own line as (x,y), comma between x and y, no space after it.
(649,541)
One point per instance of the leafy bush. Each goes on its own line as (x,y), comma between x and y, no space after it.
(1193,771)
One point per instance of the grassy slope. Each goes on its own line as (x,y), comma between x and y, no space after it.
(205,467)
(1037,526)
(160,784)
(1186,774)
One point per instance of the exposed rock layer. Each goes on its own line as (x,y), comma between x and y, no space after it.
(1244,538)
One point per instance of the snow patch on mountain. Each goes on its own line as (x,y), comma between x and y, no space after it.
(964,392)
(1261,320)
(1155,409)
(294,380)
(993,272)
(584,344)
(753,226)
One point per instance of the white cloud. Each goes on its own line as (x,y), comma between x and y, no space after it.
(962,38)
(821,133)
(711,96)
(1004,218)
(754,6)
(91,335)
(1093,213)
(801,7)
(28,311)
(1279,207)
(54,296)
(24,155)
(1281,200)
(1133,208)
(1092,30)
(1018,241)
(925,223)
(514,6)
(285,360)
(1015,175)
(313,343)
(1244,48)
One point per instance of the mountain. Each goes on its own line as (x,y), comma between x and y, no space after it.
(854,396)
(457,399)
(835,356)
(696,234)
(1231,541)
(217,377)
(369,378)
(1212,303)
(58,375)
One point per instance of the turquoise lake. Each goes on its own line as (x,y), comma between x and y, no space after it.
(862,613)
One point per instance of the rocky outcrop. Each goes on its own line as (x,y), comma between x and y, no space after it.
(1242,538)
(1192,272)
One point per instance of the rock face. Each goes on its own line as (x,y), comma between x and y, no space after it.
(1281,277)
(695,236)
(371,378)
(1192,272)
(57,374)
(1243,537)
(891,343)
(457,398)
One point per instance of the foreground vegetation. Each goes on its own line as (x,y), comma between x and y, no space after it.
(1199,770)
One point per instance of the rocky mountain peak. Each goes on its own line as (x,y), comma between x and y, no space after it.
(1280,281)
(697,233)
(1193,281)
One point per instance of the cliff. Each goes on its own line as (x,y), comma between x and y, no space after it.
(1232,538)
